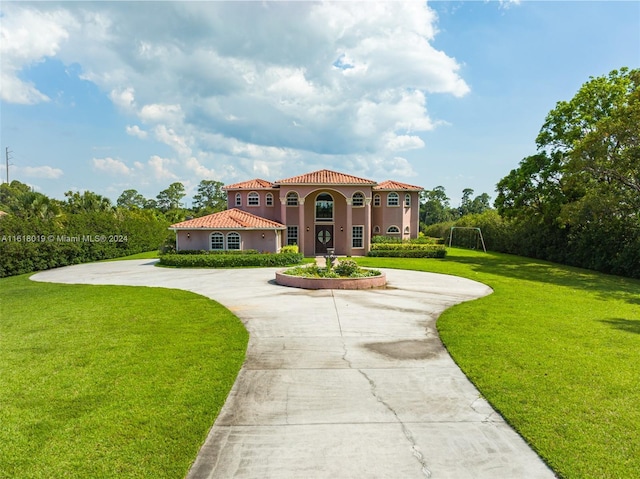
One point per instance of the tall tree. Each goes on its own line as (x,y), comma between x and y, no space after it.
(131,199)
(210,197)
(170,198)
(435,206)
(584,184)
(465,203)
(87,201)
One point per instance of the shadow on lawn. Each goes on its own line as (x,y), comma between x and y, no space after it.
(628,325)
(607,287)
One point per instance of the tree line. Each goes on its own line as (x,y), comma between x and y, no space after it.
(38,232)
(576,200)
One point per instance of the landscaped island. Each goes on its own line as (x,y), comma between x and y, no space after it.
(345,275)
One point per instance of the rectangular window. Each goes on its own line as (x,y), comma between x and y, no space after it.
(292,235)
(357,237)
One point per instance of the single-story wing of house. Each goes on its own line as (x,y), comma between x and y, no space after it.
(317,211)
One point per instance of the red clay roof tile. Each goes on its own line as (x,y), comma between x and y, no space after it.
(396,185)
(325,177)
(229,219)
(255,184)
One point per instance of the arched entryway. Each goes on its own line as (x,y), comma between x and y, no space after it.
(324,223)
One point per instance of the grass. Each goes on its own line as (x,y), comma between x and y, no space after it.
(110,381)
(105,381)
(556,350)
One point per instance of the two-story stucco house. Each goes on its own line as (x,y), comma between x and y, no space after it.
(316,211)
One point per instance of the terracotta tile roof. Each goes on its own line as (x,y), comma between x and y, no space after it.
(325,177)
(256,184)
(229,219)
(396,185)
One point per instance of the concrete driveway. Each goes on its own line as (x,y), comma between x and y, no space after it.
(340,384)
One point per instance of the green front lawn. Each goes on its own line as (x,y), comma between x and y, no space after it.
(556,351)
(110,381)
(106,381)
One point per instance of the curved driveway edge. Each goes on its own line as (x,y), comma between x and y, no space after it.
(340,383)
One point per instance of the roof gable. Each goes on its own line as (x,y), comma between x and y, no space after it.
(325,177)
(229,219)
(396,186)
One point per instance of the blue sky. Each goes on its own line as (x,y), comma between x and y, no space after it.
(108,96)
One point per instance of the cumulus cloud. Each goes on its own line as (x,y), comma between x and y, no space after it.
(159,168)
(39,172)
(27,37)
(123,98)
(111,166)
(200,170)
(136,131)
(255,87)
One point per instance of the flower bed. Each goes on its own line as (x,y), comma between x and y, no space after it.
(346,275)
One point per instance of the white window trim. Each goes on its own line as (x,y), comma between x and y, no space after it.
(253,194)
(291,194)
(361,194)
(297,234)
(353,236)
(393,232)
(377,199)
(376,230)
(407,200)
(238,199)
(216,233)
(395,195)
(233,233)
(268,199)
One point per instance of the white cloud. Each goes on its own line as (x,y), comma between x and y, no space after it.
(136,131)
(169,137)
(255,88)
(160,168)
(27,37)
(403,142)
(47,172)
(123,98)
(111,166)
(161,113)
(393,168)
(200,170)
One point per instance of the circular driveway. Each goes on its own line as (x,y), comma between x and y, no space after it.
(340,384)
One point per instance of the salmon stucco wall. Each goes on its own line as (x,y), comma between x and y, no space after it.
(201,240)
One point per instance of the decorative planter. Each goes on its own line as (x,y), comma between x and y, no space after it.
(330,283)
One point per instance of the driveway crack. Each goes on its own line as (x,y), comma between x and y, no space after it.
(405,430)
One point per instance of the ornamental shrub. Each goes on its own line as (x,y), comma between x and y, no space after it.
(346,267)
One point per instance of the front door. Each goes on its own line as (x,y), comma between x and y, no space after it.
(324,238)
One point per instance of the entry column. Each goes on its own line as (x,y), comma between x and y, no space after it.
(349,226)
(367,225)
(301,225)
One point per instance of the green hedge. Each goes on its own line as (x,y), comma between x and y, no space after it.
(436,251)
(377,239)
(230,260)
(404,246)
(34,244)
(204,251)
